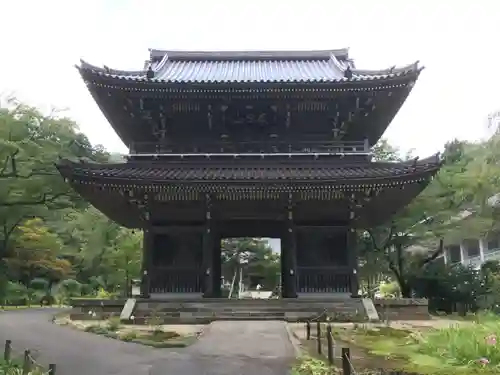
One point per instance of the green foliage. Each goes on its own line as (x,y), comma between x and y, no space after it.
(311,366)
(260,265)
(97,329)
(113,323)
(469,345)
(70,288)
(39,284)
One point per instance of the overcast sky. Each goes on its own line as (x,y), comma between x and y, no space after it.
(457,41)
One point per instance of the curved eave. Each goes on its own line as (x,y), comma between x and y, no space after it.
(138,80)
(209,174)
(109,194)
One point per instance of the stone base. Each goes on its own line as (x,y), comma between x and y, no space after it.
(176,296)
(199,310)
(402,308)
(323,296)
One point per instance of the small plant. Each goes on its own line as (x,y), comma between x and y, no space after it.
(155,321)
(128,336)
(97,329)
(312,366)
(114,323)
(103,294)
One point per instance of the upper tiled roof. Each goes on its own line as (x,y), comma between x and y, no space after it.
(182,172)
(250,66)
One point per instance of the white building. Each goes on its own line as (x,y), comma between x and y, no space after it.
(473,252)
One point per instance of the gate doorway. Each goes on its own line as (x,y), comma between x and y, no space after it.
(251,267)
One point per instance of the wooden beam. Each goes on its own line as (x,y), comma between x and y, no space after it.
(174,229)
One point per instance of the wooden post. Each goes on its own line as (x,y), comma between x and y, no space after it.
(308,331)
(346,361)
(147,254)
(52,369)
(207,252)
(353,263)
(329,340)
(7,351)
(26,362)
(318,336)
(216,262)
(290,255)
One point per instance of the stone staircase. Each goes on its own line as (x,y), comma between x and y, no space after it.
(207,310)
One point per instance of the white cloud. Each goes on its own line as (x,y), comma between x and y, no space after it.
(454,40)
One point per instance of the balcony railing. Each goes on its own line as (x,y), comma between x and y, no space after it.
(249,148)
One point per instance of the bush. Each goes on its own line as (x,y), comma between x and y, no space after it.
(39,285)
(96,328)
(128,336)
(88,290)
(103,294)
(114,323)
(70,288)
(16,294)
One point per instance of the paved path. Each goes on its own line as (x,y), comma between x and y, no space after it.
(236,348)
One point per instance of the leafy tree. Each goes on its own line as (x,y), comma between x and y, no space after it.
(254,256)
(30,143)
(35,254)
(428,221)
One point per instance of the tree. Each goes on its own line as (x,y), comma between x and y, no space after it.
(428,221)
(254,256)
(35,254)
(30,143)
(123,259)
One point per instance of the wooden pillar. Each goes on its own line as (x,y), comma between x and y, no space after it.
(352,248)
(289,272)
(216,264)
(208,256)
(147,256)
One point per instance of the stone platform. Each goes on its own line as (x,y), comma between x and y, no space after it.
(198,311)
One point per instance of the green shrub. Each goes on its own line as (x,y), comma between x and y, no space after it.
(88,290)
(128,336)
(103,294)
(16,294)
(39,284)
(114,323)
(70,287)
(96,328)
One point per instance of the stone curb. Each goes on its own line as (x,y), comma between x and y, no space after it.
(294,340)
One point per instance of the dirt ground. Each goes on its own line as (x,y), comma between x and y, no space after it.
(300,330)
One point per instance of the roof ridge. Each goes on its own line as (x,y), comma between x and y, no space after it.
(226,55)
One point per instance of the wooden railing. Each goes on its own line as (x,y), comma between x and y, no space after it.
(329,279)
(250,147)
(175,280)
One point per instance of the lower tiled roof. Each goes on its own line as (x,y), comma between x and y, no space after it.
(176,172)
